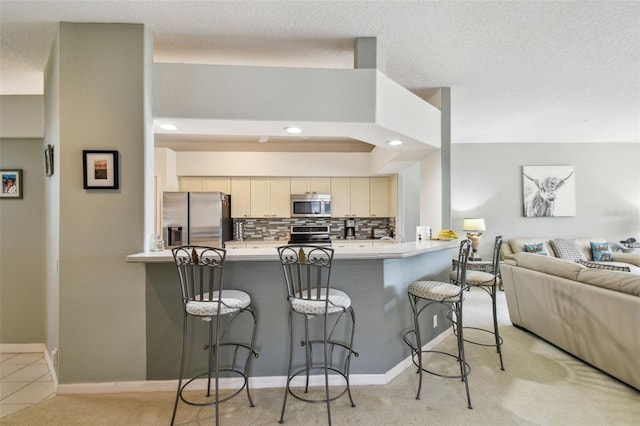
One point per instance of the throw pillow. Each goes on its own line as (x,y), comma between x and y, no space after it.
(535,248)
(601,252)
(604,266)
(567,249)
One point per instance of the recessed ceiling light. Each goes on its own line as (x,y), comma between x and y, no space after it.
(168,126)
(293,129)
(395,142)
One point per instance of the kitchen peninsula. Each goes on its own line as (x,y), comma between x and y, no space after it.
(376,278)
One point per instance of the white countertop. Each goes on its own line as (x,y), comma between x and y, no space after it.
(388,251)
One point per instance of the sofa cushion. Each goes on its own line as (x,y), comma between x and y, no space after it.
(517,245)
(601,252)
(610,266)
(549,265)
(613,280)
(585,245)
(632,258)
(535,248)
(567,249)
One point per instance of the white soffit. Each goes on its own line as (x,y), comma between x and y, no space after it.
(361,104)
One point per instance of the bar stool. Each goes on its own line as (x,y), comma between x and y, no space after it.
(307,273)
(200,270)
(487,281)
(426,293)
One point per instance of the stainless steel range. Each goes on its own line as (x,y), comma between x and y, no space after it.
(311,234)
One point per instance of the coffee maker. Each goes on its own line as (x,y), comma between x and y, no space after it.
(350,229)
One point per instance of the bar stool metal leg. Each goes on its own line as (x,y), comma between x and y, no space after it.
(200,270)
(488,282)
(423,294)
(310,296)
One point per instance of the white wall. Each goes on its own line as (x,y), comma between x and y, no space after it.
(431,192)
(52,187)
(272,164)
(487,182)
(408,202)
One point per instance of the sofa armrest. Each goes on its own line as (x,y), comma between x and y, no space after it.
(632,258)
(549,265)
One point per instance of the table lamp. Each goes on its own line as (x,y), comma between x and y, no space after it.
(474,227)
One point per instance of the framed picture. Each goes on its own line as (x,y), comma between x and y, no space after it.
(11,183)
(48,160)
(100,169)
(548,191)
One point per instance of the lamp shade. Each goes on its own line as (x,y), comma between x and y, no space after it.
(474,224)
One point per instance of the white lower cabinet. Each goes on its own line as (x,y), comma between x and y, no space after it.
(359,243)
(258,244)
(350,244)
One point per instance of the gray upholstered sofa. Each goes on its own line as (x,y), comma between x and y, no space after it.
(591,313)
(618,260)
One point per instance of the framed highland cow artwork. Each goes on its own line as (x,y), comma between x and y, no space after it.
(548,191)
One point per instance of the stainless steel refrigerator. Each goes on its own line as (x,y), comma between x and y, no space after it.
(202,218)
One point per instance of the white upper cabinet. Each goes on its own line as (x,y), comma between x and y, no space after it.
(240,197)
(303,185)
(350,197)
(270,197)
(380,196)
(205,184)
(360,197)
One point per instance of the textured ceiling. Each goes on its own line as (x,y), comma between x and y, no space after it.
(529,71)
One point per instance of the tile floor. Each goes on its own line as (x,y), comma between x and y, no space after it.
(24,381)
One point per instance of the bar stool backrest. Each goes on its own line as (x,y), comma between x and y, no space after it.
(307,271)
(463,258)
(200,270)
(496,256)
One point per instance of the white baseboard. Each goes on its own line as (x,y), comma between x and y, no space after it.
(201,384)
(254,382)
(22,348)
(171,385)
(26,348)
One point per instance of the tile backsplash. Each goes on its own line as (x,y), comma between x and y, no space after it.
(280,228)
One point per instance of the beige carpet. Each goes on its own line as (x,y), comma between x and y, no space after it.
(541,385)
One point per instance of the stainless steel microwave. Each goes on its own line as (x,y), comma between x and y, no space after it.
(310,205)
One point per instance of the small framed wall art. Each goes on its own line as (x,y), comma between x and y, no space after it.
(11,183)
(100,169)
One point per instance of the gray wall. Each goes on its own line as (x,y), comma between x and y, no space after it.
(408,202)
(22,232)
(101,94)
(377,288)
(487,182)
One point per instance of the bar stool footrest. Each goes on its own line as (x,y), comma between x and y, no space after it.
(208,403)
(415,352)
(305,389)
(466,339)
